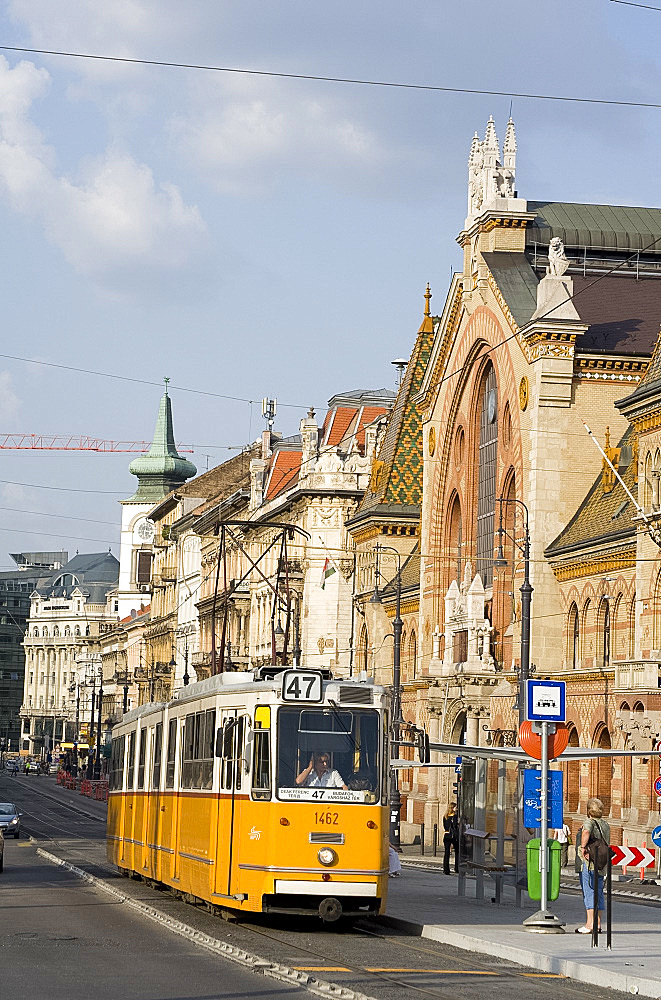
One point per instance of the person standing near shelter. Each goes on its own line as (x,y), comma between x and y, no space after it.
(450,837)
(596,832)
(563,836)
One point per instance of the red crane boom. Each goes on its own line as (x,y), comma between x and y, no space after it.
(74,442)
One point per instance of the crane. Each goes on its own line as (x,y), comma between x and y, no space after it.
(75,442)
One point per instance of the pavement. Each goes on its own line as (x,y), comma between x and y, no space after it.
(425,902)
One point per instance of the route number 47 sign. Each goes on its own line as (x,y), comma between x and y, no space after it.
(302,685)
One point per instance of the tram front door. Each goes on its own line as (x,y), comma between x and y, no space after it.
(231,738)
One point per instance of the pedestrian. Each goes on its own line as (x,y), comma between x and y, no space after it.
(563,836)
(394,864)
(593,849)
(450,837)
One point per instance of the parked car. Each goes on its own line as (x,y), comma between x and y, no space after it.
(12,766)
(33,767)
(2,850)
(10,819)
(53,768)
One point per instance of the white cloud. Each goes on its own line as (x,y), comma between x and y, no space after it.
(114,220)
(10,404)
(248,131)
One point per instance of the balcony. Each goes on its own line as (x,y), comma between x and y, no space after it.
(638,675)
(201,659)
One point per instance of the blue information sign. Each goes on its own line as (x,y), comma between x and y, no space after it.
(656,836)
(532,810)
(545,701)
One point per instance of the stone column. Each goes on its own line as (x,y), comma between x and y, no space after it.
(472,728)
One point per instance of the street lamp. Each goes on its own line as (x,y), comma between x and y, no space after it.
(395,797)
(526,596)
(97,758)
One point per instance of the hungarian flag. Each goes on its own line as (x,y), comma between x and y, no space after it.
(327,571)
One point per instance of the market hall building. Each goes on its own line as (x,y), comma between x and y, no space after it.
(549,326)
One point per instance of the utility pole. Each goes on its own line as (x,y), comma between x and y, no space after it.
(97,758)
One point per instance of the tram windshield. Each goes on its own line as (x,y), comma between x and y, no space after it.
(328,754)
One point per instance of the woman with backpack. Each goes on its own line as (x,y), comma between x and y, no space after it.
(594,850)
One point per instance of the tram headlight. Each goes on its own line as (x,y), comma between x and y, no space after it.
(326,856)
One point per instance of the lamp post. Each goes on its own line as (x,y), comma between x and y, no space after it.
(526,597)
(97,756)
(186,677)
(395,797)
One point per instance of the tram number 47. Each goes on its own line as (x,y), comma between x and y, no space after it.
(298,685)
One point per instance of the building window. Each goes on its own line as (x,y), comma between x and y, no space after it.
(574,637)
(143,567)
(486,474)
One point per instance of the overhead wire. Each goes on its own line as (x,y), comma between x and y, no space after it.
(314,77)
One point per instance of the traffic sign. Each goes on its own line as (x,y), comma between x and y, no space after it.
(634,857)
(656,836)
(545,701)
(657,785)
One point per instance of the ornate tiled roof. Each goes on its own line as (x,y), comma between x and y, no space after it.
(397,474)
(603,516)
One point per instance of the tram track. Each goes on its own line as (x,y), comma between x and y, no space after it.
(387,973)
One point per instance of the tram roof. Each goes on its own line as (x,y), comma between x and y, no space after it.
(247,682)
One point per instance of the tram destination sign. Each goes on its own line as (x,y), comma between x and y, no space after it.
(302,685)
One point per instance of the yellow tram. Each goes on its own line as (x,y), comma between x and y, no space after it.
(264,792)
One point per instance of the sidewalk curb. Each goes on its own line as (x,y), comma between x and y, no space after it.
(254,963)
(570,968)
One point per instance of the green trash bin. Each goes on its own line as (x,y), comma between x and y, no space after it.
(534,873)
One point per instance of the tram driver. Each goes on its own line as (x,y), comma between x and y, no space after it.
(318,773)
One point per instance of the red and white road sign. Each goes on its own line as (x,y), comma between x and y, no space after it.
(634,857)
(657,785)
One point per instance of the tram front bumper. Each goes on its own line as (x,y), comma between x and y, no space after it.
(329,900)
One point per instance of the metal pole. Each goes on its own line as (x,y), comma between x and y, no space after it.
(595,911)
(97,757)
(526,600)
(544,803)
(395,797)
(609,901)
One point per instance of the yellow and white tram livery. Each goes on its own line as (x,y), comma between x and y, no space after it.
(263,792)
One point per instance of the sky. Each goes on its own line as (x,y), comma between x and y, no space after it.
(247,235)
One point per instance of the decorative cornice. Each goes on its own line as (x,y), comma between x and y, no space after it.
(366,534)
(504,222)
(649,421)
(595,566)
(409,607)
(610,369)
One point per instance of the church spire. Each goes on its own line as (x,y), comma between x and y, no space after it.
(427,325)
(162,469)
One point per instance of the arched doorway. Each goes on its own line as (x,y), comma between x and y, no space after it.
(572,771)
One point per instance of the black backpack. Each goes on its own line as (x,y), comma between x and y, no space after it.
(598,849)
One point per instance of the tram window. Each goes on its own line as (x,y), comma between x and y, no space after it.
(228,752)
(117,763)
(141,758)
(131,769)
(261,764)
(206,776)
(158,749)
(239,758)
(349,740)
(187,752)
(172,753)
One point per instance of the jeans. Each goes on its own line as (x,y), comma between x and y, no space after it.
(587,885)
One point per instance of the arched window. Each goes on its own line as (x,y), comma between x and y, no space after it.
(44,631)
(605,619)
(56,630)
(77,630)
(35,632)
(632,628)
(486,473)
(572,771)
(67,630)
(574,636)
(455,541)
(647,482)
(413,652)
(586,629)
(361,650)
(602,769)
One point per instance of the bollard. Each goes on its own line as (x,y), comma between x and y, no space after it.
(422,838)
(609,903)
(435,839)
(595,910)
(642,870)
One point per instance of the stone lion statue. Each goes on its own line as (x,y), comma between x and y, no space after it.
(558,262)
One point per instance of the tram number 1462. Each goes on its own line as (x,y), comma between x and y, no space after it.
(326,818)
(301,685)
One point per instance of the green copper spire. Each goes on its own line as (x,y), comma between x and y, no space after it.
(162,469)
